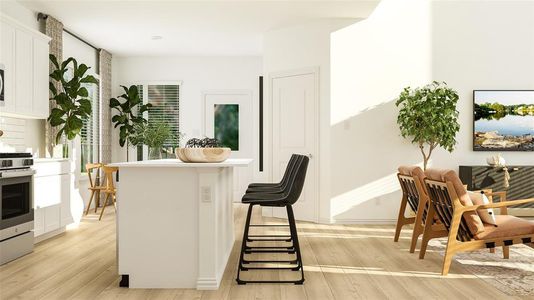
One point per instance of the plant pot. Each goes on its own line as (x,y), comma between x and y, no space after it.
(154,153)
(203,155)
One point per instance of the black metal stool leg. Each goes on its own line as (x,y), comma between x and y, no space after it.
(244,242)
(296,250)
(293,227)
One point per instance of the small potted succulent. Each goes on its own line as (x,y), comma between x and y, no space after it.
(203,150)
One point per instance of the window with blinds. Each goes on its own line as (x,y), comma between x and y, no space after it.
(165,100)
(90,137)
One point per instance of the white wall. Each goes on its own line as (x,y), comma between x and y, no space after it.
(34,134)
(294,48)
(481,45)
(468,44)
(197,74)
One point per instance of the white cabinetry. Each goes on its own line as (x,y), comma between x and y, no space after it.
(51,194)
(24,54)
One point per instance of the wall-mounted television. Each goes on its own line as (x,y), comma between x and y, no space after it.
(503,120)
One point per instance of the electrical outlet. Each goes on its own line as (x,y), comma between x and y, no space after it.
(205,194)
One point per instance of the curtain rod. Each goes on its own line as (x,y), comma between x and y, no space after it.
(41,16)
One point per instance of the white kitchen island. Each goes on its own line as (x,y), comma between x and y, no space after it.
(175,226)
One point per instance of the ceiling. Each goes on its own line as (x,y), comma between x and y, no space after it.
(225,28)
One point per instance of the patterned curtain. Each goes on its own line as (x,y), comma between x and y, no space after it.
(105,95)
(54,29)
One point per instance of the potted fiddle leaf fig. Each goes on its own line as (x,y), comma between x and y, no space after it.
(428,116)
(129,116)
(72,103)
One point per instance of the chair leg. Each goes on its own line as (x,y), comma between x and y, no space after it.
(417,229)
(90,200)
(295,250)
(400,219)
(104,207)
(427,231)
(243,244)
(506,252)
(293,227)
(97,201)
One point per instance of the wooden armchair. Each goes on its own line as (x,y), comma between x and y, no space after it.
(414,195)
(467,232)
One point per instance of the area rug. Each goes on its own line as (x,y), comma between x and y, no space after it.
(513,276)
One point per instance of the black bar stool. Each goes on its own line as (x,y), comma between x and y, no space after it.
(275,187)
(279,196)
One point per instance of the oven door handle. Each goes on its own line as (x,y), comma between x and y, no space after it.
(14,174)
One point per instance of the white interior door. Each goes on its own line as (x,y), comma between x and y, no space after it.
(243,99)
(295,129)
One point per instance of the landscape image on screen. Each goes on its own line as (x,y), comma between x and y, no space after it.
(504,120)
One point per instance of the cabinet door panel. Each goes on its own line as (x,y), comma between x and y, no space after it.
(7,58)
(66,212)
(52,217)
(40,79)
(47,190)
(38,221)
(23,75)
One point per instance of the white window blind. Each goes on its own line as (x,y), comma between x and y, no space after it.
(165,100)
(90,137)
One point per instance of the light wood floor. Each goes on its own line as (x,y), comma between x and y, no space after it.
(341,262)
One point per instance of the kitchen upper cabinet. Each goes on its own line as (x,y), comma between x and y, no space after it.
(24,54)
(23,72)
(7,58)
(40,104)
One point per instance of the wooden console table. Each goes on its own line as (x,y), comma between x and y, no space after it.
(484,177)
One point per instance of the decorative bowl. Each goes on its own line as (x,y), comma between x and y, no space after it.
(203,155)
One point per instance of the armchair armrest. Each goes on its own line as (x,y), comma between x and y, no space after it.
(497,205)
(500,194)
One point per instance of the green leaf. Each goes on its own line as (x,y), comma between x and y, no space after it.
(82,68)
(113,102)
(89,79)
(59,134)
(69,60)
(74,124)
(52,88)
(82,92)
(57,75)
(85,106)
(53,59)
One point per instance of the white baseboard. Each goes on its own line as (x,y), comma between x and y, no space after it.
(48,235)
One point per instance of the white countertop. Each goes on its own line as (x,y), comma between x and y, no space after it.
(176,163)
(48,160)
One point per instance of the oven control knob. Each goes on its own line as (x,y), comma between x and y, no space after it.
(7,163)
(27,162)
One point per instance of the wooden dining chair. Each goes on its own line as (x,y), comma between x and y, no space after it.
(93,169)
(109,188)
(466,230)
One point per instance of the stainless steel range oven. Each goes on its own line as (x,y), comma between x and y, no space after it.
(16,205)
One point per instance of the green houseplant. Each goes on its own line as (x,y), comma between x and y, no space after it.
(73,106)
(154,135)
(428,116)
(129,114)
